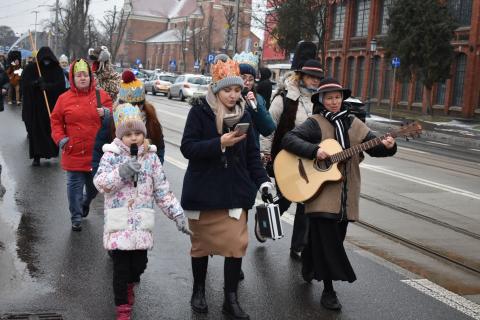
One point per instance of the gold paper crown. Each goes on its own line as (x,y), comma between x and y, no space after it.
(80,66)
(221,70)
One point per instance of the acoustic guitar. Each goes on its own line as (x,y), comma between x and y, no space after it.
(300,179)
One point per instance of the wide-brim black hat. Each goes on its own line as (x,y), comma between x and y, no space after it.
(330,85)
(304,51)
(313,68)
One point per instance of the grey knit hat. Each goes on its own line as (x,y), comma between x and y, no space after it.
(225,73)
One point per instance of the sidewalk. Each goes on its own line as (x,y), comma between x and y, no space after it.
(456,132)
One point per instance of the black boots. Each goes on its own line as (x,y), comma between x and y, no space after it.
(330,301)
(198,302)
(232,308)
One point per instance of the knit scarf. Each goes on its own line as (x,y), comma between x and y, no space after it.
(339,121)
(224,115)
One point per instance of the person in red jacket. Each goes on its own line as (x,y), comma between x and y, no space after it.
(75,122)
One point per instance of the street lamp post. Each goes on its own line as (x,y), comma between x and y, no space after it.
(373,48)
(35,41)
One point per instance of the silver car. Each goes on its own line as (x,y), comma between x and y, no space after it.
(188,86)
(159,83)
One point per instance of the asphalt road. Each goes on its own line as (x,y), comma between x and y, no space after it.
(44,267)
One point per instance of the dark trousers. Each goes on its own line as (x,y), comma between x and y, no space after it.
(300,223)
(127,268)
(231,272)
(77,181)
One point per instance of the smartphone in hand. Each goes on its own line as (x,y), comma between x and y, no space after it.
(241,128)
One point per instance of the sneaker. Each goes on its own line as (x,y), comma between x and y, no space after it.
(85,211)
(76,226)
(330,301)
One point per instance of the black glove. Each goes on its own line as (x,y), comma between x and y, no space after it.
(40,83)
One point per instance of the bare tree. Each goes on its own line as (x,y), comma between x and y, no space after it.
(113,29)
(230,24)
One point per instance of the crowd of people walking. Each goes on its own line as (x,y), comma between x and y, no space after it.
(111,141)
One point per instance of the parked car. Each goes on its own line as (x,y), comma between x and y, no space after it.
(188,86)
(159,83)
(357,108)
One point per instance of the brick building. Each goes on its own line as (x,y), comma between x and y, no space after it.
(352,26)
(182,32)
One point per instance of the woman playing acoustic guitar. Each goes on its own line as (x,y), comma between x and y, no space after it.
(336,204)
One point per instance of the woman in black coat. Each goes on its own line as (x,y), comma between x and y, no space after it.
(223,174)
(324,258)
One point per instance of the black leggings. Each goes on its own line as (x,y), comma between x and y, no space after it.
(231,272)
(127,268)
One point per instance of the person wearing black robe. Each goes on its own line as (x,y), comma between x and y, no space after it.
(34,113)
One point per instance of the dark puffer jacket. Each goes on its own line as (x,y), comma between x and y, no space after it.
(217,180)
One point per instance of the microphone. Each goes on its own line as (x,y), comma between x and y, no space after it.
(250,103)
(134,154)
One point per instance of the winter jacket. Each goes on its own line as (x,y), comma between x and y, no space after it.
(75,116)
(338,199)
(120,193)
(103,137)
(14,77)
(216,179)
(108,80)
(262,120)
(264,86)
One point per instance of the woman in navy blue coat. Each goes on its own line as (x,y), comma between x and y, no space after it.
(223,174)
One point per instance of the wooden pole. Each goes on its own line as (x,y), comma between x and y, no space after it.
(39,73)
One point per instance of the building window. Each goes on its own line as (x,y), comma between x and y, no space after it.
(461,11)
(387,80)
(329,67)
(338,22)
(440,96)
(405,85)
(350,72)
(386,5)
(360,74)
(337,70)
(362,17)
(418,97)
(461,63)
(376,76)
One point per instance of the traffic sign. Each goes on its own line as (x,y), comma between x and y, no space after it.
(197,64)
(211,58)
(173,63)
(396,62)
(138,61)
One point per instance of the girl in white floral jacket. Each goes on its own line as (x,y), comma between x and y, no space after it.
(131,185)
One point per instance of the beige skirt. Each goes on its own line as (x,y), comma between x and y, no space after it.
(216,233)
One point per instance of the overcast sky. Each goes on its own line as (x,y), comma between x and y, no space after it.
(18,14)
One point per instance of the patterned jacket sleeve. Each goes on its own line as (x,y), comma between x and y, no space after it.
(162,194)
(107,179)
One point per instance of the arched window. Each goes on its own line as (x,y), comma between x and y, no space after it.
(350,72)
(461,10)
(329,67)
(360,74)
(387,80)
(405,86)
(376,77)
(337,70)
(440,96)
(458,81)
(386,5)
(338,22)
(362,13)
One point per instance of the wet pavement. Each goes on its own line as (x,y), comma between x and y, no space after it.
(44,267)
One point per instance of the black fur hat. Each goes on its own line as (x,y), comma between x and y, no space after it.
(14,55)
(304,51)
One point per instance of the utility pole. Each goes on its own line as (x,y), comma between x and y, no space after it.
(35,42)
(235,31)
(57,30)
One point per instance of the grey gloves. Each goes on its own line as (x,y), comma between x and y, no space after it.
(63,142)
(129,169)
(182,225)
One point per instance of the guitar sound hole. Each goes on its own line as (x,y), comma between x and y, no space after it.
(323,165)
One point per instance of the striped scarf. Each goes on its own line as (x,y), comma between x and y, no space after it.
(339,121)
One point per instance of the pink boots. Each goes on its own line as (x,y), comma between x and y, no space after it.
(124,312)
(131,294)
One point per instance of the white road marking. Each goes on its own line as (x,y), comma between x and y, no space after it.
(425,182)
(411,150)
(475,149)
(179,164)
(443,295)
(435,142)
(171,114)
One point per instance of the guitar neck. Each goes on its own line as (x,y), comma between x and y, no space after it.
(348,153)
